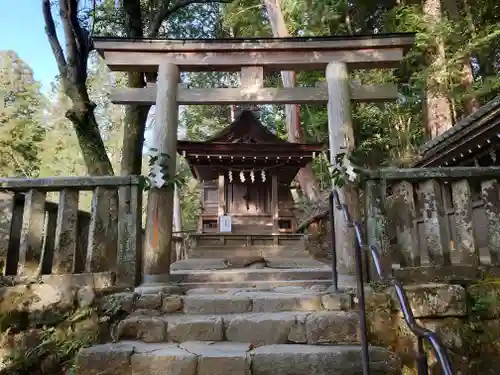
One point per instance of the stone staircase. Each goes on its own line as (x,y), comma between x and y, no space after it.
(249,260)
(284,330)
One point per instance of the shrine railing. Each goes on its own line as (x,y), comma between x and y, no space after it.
(420,332)
(436,223)
(40,238)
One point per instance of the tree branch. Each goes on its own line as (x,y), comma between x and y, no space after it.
(71,48)
(81,39)
(50,31)
(166,11)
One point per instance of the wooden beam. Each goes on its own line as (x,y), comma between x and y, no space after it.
(223,96)
(403,40)
(229,61)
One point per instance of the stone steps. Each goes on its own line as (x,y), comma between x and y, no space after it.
(215,252)
(222,264)
(250,274)
(209,358)
(325,327)
(257,284)
(279,331)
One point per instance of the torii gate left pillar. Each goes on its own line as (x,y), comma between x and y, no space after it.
(159,219)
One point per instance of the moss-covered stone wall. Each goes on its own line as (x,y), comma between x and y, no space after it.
(466,318)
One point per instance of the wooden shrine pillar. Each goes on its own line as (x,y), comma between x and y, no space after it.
(159,220)
(221,211)
(341,136)
(275,203)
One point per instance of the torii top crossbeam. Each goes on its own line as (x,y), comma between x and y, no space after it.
(303,53)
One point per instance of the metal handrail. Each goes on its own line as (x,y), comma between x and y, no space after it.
(419,331)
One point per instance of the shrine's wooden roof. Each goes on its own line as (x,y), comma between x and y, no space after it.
(246,144)
(246,136)
(471,138)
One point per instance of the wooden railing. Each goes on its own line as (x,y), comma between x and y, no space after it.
(435,217)
(41,238)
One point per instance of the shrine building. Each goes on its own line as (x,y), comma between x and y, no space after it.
(245,173)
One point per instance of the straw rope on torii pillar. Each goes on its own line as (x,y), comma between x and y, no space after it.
(251,57)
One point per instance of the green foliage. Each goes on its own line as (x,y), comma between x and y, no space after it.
(21,112)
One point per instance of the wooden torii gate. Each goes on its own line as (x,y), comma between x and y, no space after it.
(251,57)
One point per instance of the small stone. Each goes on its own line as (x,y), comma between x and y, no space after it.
(286,302)
(337,301)
(145,312)
(172,303)
(298,331)
(199,328)
(221,358)
(149,301)
(244,261)
(147,329)
(107,359)
(332,327)
(165,359)
(85,296)
(45,297)
(432,300)
(216,304)
(261,329)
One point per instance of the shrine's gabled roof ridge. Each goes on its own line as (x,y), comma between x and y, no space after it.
(465,140)
(245,125)
(481,114)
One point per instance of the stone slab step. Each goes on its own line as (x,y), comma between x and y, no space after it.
(256,284)
(296,250)
(325,327)
(249,274)
(209,358)
(247,301)
(222,264)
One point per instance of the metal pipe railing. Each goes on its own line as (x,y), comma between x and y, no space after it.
(419,331)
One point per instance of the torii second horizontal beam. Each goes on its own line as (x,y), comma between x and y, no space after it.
(224,96)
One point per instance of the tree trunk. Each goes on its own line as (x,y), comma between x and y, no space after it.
(305,176)
(86,127)
(134,125)
(466,80)
(135,115)
(438,111)
(73,71)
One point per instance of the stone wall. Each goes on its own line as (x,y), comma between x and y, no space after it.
(43,324)
(466,318)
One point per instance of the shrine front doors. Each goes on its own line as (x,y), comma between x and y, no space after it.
(248,199)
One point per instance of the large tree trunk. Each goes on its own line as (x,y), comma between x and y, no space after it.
(438,112)
(89,137)
(134,125)
(135,115)
(466,79)
(305,176)
(72,65)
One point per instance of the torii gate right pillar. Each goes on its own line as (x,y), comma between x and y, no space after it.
(341,138)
